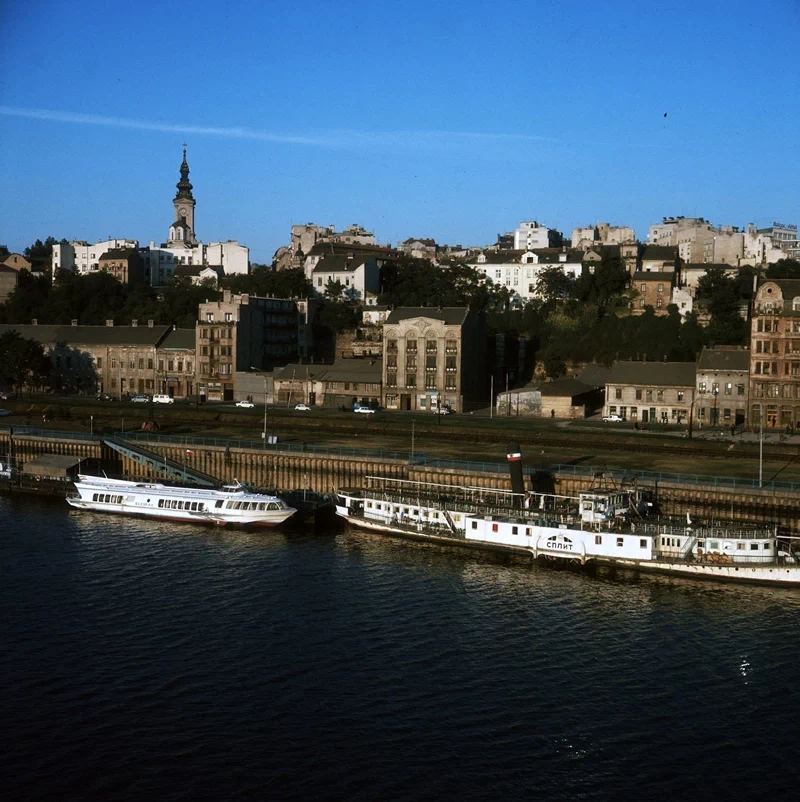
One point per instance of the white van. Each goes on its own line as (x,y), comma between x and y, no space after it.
(163,399)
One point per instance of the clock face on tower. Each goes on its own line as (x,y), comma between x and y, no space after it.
(183,212)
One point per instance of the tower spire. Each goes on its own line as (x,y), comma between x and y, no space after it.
(184,185)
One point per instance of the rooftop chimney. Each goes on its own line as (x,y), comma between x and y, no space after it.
(149,324)
(35,322)
(134,323)
(110,323)
(74,322)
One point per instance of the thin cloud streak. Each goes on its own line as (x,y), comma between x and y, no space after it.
(325,139)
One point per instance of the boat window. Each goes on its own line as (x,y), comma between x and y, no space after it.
(713,544)
(180,505)
(740,546)
(272,506)
(94,497)
(767,546)
(219,504)
(262,505)
(754,547)
(436,515)
(161,502)
(494,527)
(194,506)
(455,517)
(701,544)
(474,524)
(620,541)
(369,505)
(201,506)
(528,531)
(598,540)
(642,543)
(514,530)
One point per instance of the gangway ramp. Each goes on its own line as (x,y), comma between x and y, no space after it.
(163,467)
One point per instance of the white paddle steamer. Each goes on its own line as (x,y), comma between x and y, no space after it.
(600,527)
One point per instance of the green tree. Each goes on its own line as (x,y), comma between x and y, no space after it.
(24,363)
(784,268)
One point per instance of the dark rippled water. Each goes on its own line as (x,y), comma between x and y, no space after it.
(149,661)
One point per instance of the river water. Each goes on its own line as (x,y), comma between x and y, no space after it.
(143,660)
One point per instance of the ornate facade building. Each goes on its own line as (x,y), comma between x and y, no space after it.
(775,354)
(433,358)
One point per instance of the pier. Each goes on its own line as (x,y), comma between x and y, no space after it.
(314,472)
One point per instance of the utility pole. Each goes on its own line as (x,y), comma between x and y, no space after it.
(491,397)
(508,398)
(265,410)
(412,442)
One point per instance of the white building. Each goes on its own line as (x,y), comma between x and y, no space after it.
(519,271)
(359,276)
(81,257)
(531,234)
(182,248)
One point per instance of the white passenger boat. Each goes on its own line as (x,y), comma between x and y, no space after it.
(230,505)
(600,527)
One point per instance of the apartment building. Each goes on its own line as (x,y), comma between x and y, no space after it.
(651,392)
(723,375)
(775,354)
(433,357)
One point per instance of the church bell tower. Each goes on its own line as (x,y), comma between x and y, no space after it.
(182,230)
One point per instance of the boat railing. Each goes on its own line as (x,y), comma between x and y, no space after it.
(676,529)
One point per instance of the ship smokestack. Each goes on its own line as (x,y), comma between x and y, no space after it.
(514,458)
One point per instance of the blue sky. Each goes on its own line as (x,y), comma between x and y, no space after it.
(437,119)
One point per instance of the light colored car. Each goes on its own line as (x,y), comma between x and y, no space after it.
(140,399)
(246,404)
(163,398)
(302,407)
(612,419)
(364,410)
(443,411)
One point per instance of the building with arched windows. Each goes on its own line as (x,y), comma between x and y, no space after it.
(434,358)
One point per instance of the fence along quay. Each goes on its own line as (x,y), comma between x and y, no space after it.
(287,467)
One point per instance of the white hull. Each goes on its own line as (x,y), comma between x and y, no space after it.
(231,506)
(767,573)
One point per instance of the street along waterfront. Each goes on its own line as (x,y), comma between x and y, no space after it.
(208,664)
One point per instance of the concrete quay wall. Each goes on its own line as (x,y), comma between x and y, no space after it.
(285,471)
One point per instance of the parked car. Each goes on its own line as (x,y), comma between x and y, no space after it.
(3,396)
(612,419)
(246,404)
(163,399)
(364,410)
(302,407)
(104,397)
(443,411)
(141,399)
(4,412)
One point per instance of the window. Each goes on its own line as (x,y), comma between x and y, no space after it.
(680,395)
(430,347)
(149,364)
(450,382)
(739,389)
(170,365)
(161,364)
(659,395)
(132,364)
(411,380)
(618,393)
(113,363)
(638,395)
(474,524)
(649,395)
(598,540)
(99,363)
(391,346)
(661,288)
(228,317)
(754,547)
(642,543)
(620,541)
(514,530)
(210,317)
(495,527)
(644,289)
(391,379)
